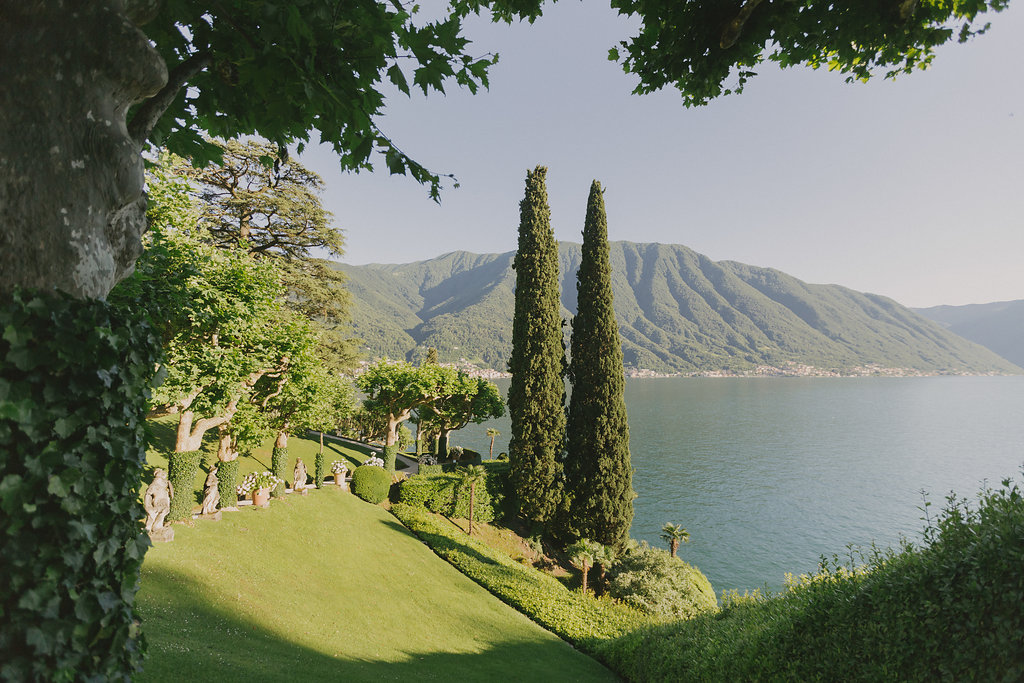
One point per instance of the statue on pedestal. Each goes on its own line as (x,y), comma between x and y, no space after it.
(299,479)
(157,502)
(211,495)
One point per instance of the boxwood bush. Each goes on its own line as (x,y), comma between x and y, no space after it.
(442,493)
(371,483)
(653,581)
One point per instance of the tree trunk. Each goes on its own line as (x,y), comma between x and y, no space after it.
(71,202)
(282,440)
(185,441)
(673,546)
(442,443)
(585,570)
(490,454)
(225,445)
(321,443)
(472,499)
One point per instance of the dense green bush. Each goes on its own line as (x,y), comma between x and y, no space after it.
(443,494)
(227,483)
(651,580)
(389,456)
(581,619)
(371,483)
(950,610)
(279,468)
(318,470)
(74,387)
(430,470)
(182,469)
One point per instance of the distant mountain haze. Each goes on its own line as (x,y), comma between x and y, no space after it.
(998,326)
(678,312)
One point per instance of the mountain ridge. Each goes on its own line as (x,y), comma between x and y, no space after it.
(678,312)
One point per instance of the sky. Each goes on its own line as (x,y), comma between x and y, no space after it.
(911,188)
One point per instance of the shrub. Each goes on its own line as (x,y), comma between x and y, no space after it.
(950,610)
(318,470)
(442,493)
(390,453)
(227,480)
(182,469)
(279,468)
(651,580)
(371,483)
(431,469)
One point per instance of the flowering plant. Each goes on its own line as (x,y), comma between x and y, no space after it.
(374,461)
(338,467)
(255,481)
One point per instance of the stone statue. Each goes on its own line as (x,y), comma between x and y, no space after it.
(211,494)
(299,482)
(158,501)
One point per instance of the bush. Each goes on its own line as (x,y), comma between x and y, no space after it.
(318,470)
(182,469)
(227,481)
(651,580)
(431,469)
(371,483)
(279,468)
(950,610)
(389,455)
(443,494)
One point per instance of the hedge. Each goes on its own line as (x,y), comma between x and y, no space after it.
(182,470)
(227,483)
(444,494)
(279,468)
(371,483)
(74,387)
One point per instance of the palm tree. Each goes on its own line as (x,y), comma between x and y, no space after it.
(673,534)
(472,475)
(583,554)
(603,561)
(492,432)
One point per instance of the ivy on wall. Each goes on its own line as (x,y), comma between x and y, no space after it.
(74,386)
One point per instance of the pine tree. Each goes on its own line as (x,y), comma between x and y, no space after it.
(536,397)
(598,473)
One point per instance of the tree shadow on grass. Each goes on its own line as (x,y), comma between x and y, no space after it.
(191,639)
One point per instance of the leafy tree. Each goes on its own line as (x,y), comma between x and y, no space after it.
(470,476)
(674,534)
(461,399)
(491,433)
(584,554)
(707,48)
(598,473)
(537,393)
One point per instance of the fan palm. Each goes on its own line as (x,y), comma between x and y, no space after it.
(492,432)
(471,476)
(583,554)
(674,534)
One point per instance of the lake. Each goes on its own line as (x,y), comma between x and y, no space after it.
(769,474)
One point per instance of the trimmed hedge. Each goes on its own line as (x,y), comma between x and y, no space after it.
(182,470)
(371,483)
(279,468)
(443,493)
(74,387)
(227,483)
(389,456)
(579,618)
(318,470)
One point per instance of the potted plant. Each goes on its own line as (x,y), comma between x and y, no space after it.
(374,461)
(258,485)
(339,470)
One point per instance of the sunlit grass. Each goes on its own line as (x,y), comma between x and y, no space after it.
(327,587)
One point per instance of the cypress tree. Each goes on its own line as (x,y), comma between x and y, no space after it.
(598,474)
(536,397)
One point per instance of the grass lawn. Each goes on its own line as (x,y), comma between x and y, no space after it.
(328,587)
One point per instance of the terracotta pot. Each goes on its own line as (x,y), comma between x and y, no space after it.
(339,480)
(261,498)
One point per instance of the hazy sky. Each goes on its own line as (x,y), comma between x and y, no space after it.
(912,188)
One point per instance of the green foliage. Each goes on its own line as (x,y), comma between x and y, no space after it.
(318,470)
(678,311)
(279,468)
(182,471)
(598,473)
(536,395)
(952,609)
(74,386)
(674,534)
(448,494)
(227,481)
(371,483)
(581,619)
(390,454)
(653,581)
(461,399)
(706,48)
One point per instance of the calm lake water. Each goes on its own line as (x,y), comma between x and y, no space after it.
(769,474)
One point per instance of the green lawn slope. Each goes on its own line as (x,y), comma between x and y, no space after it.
(328,587)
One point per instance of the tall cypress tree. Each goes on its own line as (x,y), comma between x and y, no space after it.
(598,474)
(536,397)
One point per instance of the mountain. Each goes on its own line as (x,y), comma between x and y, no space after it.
(998,326)
(678,311)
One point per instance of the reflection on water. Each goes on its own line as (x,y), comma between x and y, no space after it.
(769,474)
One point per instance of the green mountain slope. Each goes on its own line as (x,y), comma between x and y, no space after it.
(678,311)
(999,326)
